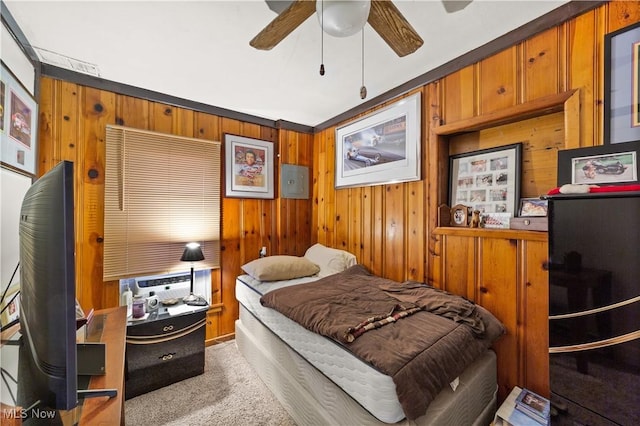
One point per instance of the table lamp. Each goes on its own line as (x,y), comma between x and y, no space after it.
(192,253)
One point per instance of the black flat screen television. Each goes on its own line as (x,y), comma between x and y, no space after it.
(47,287)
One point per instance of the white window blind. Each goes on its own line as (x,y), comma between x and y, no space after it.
(161,192)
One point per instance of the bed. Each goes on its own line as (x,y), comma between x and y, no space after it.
(318,381)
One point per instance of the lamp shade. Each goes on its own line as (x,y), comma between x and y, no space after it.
(342,18)
(192,253)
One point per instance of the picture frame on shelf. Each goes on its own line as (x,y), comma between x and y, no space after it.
(249,167)
(487,180)
(622,85)
(613,164)
(382,147)
(18,128)
(533,207)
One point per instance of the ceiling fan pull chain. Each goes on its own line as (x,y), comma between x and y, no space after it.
(322,40)
(363,89)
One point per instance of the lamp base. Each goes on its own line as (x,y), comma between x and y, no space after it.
(194,300)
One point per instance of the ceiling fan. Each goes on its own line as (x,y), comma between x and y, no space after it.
(383,17)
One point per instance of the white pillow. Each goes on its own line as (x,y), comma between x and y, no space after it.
(281,267)
(330,260)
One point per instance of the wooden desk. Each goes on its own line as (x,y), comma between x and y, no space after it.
(107,326)
(103,410)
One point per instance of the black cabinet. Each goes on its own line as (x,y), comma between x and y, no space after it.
(163,349)
(594,307)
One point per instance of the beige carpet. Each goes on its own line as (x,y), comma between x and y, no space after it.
(228,393)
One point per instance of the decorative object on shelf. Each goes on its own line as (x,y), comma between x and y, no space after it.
(622,85)
(533,207)
(249,167)
(475,219)
(460,215)
(444,215)
(612,164)
(488,180)
(18,124)
(380,148)
(495,220)
(192,253)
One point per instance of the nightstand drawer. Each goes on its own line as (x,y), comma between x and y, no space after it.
(168,326)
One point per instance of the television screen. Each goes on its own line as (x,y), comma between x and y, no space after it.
(47,287)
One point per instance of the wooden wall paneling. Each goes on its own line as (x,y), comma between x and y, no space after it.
(207,127)
(394,231)
(330,193)
(459,93)
(622,14)
(533,323)
(341,218)
(161,117)
(541,65)
(437,175)
(496,291)
(355,220)
(319,186)
(47,125)
(458,251)
(99,109)
(415,236)
(132,112)
(498,82)
(584,74)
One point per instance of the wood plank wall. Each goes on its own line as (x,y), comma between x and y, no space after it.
(73,120)
(389,227)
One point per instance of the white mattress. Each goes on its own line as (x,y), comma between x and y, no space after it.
(373,390)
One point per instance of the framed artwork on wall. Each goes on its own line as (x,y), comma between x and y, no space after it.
(18,124)
(249,167)
(622,85)
(487,180)
(380,148)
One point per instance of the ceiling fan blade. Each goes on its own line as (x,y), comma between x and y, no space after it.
(283,24)
(389,23)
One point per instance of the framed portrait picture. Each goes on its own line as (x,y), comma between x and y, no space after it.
(487,180)
(249,167)
(622,85)
(380,148)
(604,164)
(18,118)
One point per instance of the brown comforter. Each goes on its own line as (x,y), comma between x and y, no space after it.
(420,336)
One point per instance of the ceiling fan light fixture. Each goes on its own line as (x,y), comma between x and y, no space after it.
(343,18)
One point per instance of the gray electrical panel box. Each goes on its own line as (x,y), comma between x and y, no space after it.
(294,181)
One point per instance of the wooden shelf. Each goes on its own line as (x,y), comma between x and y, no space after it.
(515,234)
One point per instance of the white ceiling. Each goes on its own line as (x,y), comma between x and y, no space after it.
(199,50)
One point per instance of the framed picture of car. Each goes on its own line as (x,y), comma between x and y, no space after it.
(18,118)
(380,148)
(605,164)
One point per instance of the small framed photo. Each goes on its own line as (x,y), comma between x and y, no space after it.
(533,207)
(495,220)
(614,164)
(249,167)
(487,180)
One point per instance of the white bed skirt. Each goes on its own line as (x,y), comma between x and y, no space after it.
(312,399)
